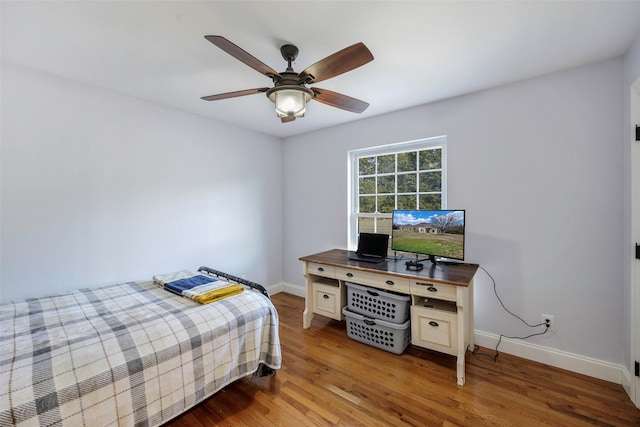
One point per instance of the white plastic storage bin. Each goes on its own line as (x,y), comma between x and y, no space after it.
(378,304)
(384,335)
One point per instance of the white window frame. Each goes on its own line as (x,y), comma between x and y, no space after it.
(400,147)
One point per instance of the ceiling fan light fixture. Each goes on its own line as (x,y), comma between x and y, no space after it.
(290,93)
(290,100)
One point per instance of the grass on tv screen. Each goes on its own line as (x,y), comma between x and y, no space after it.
(437,233)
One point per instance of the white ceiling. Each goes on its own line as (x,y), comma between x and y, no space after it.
(424,50)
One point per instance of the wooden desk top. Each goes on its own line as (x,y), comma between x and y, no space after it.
(459,274)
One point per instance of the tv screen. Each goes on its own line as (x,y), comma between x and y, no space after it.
(436,233)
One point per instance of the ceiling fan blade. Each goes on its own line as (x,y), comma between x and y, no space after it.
(339,100)
(340,62)
(242,55)
(234,94)
(287,119)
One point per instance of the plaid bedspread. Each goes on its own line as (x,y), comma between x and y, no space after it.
(125,355)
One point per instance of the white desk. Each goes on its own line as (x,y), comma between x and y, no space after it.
(441,297)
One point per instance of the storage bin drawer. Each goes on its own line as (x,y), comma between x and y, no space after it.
(321,270)
(434,325)
(387,336)
(376,280)
(429,289)
(378,304)
(328,298)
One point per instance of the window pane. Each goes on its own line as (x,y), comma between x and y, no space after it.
(386,204)
(383,225)
(431,159)
(365,225)
(407,162)
(406,202)
(366,166)
(387,163)
(367,204)
(367,185)
(430,181)
(386,184)
(430,201)
(407,183)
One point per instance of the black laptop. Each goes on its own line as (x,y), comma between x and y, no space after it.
(372,247)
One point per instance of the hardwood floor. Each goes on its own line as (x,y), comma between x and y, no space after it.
(328,379)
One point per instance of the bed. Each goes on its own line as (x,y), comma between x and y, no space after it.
(129,354)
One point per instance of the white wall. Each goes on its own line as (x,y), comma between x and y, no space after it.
(631,75)
(100,188)
(538,167)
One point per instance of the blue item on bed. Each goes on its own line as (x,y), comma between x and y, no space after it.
(178,286)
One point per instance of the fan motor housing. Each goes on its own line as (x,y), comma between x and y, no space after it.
(289,52)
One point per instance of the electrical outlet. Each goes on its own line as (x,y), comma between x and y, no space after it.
(548,318)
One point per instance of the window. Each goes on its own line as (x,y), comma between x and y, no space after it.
(407,175)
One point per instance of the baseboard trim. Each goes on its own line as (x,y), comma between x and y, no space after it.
(550,356)
(286,287)
(626,381)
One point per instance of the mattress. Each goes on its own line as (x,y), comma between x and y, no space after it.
(127,354)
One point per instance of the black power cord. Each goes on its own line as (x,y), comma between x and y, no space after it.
(495,356)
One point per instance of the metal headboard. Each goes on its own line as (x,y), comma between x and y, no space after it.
(236,279)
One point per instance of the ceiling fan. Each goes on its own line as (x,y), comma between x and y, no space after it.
(290,92)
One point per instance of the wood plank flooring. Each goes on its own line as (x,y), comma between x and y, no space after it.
(328,379)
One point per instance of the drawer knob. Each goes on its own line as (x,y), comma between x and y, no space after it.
(325,296)
(434,324)
(390,282)
(349,275)
(432,289)
(320,269)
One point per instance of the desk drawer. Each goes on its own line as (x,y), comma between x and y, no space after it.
(429,289)
(434,327)
(321,270)
(328,298)
(376,280)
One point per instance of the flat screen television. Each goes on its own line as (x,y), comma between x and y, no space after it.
(432,233)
